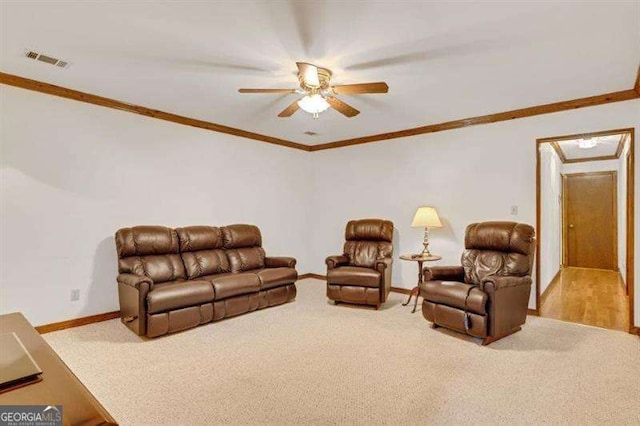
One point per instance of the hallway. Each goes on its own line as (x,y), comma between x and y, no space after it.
(588,296)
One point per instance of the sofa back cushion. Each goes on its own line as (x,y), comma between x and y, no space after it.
(240,235)
(202,251)
(497,248)
(152,251)
(243,245)
(367,241)
(245,259)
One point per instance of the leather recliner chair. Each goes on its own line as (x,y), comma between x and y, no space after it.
(362,274)
(488,295)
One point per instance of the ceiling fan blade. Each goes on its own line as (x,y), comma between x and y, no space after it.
(267,90)
(355,89)
(341,107)
(290,110)
(309,74)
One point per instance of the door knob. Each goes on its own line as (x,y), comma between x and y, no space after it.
(571,225)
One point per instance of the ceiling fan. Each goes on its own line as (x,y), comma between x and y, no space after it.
(319,94)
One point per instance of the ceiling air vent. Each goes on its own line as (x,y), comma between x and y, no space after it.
(46,59)
(310,133)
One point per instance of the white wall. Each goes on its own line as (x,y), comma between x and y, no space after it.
(622,210)
(551,215)
(590,167)
(72,174)
(471,174)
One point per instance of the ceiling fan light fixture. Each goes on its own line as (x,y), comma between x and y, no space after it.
(587,143)
(313,104)
(318,93)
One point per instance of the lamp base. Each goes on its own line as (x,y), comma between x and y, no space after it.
(425,252)
(425,243)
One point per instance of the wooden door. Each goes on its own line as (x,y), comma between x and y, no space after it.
(590,220)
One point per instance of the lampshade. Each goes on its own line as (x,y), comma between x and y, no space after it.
(426,217)
(313,104)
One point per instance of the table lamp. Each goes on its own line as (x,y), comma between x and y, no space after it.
(427,217)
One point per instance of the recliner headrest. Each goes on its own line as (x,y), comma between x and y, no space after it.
(508,237)
(146,240)
(237,236)
(369,229)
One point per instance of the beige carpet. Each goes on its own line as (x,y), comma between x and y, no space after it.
(312,362)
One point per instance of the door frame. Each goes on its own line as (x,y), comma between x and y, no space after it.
(630,225)
(565,229)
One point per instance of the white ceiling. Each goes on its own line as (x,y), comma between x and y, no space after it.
(605,147)
(442,61)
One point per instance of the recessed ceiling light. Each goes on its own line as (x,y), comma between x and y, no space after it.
(587,143)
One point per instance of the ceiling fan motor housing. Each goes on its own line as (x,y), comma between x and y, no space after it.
(324,76)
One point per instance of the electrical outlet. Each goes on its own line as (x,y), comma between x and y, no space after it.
(514,210)
(75,295)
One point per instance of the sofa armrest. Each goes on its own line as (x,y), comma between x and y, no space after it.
(335,261)
(134,280)
(280,262)
(132,293)
(494,283)
(444,273)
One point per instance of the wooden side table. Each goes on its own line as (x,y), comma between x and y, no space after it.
(420,259)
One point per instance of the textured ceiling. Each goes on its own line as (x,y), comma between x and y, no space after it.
(605,146)
(442,61)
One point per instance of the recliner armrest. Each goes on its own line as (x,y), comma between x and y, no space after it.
(496,282)
(280,262)
(335,261)
(383,264)
(134,280)
(444,273)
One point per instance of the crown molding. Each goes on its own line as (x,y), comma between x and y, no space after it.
(63,92)
(620,96)
(556,147)
(38,86)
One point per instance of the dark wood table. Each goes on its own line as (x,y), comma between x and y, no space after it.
(59,386)
(420,259)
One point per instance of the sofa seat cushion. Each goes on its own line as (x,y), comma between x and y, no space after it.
(453,293)
(354,275)
(175,295)
(275,277)
(234,284)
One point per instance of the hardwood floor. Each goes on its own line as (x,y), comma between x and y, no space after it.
(588,296)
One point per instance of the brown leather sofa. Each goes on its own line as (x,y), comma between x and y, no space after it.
(362,274)
(488,295)
(174,279)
